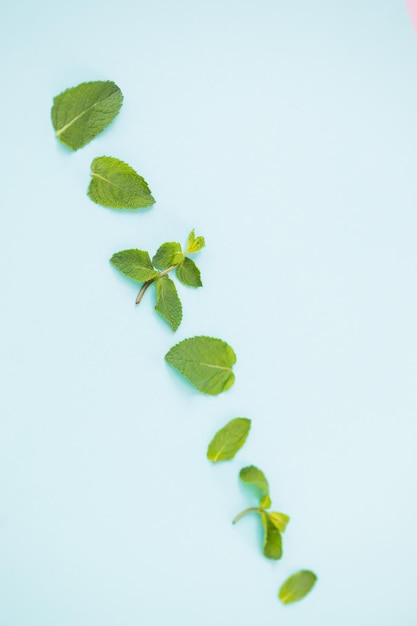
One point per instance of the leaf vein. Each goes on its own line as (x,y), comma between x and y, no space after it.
(77,117)
(217,367)
(106,180)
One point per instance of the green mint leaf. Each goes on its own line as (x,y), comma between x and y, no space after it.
(135,264)
(297,586)
(167,255)
(188,273)
(80,113)
(253,476)
(272,538)
(279,520)
(228,440)
(265,502)
(194,243)
(206,362)
(168,303)
(116,185)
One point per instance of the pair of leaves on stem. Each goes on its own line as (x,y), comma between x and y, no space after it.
(137,264)
(79,114)
(273,523)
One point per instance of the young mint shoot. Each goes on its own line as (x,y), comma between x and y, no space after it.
(273,523)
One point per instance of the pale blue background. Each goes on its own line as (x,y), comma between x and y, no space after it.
(285,133)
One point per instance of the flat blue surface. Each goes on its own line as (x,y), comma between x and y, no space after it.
(284,132)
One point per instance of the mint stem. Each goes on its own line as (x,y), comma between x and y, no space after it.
(149,282)
(240,515)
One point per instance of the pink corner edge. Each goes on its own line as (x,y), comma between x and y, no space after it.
(412,10)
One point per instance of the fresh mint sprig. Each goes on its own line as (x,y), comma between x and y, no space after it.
(273,523)
(137,264)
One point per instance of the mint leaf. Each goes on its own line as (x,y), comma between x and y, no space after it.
(272,538)
(253,476)
(168,303)
(194,243)
(228,440)
(279,520)
(189,274)
(206,362)
(80,113)
(135,264)
(116,185)
(167,255)
(297,586)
